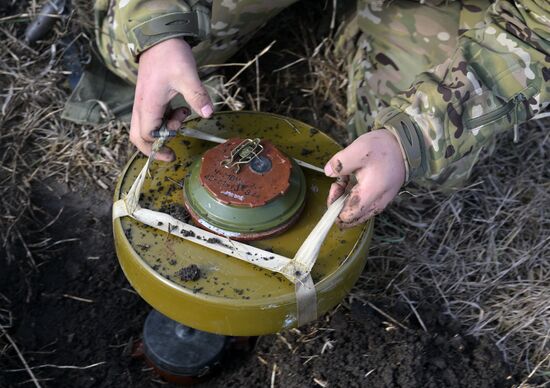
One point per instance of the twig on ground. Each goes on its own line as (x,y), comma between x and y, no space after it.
(78,298)
(413,309)
(273,375)
(386,315)
(532,373)
(14,345)
(60,367)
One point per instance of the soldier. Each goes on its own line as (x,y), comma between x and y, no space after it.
(430,86)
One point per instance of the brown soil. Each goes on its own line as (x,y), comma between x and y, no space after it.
(349,347)
(191,272)
(175,210)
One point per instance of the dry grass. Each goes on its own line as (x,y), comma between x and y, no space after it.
(36,144)
(481,252)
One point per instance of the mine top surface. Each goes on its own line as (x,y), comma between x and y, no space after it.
(245,172)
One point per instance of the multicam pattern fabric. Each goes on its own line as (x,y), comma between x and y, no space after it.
(232,24)
(451,74)
(486,71)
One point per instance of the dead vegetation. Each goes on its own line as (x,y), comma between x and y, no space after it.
(36,144)
(480,252)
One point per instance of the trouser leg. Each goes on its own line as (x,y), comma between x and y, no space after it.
(393,44)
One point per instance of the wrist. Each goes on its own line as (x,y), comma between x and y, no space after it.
(165,48)
(398,153)
(409,137)
(193,25)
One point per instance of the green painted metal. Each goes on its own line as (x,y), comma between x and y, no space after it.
(240,219)
(233,297)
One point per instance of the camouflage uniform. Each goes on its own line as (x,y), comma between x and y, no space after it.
(486,70)
(445,77)
(127,28)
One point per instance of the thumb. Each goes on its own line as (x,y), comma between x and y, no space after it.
(194,92)
(348,160)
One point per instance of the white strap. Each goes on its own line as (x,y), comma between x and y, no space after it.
(306,300)
(306,256)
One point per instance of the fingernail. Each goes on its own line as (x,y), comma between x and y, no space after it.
(328,170)
(166,155)
(206,110)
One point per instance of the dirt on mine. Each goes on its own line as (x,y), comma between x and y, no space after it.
(78,310)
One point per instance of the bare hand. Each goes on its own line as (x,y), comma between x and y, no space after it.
(376,161)
(164,70)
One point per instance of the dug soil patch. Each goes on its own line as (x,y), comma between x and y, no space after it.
(77,310)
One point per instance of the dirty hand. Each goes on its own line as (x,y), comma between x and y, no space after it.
(376,161)
(164,70)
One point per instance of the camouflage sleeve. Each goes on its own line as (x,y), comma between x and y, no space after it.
(496,79)
(147,22)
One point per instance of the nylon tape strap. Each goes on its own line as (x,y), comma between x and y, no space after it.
(306,300)
(296,270)
(305,258)
(307,254)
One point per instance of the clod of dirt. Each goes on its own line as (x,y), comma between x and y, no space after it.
(189,273)
(175,210)
(187,233)
(368,350)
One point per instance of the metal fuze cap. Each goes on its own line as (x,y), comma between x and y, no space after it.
(245,189)
(177,351)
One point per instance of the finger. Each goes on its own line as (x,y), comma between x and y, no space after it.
(147,115)
(337,189)
(150,115)
(348,160)
(165,154)
(194,92)
(135,135)
(375,209)
(145,144)
(176,117)
(365,200)
(358,208)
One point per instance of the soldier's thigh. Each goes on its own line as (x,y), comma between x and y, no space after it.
(233,24)
(403,39)
(396,42)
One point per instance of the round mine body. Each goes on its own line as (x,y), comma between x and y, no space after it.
(210,291)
